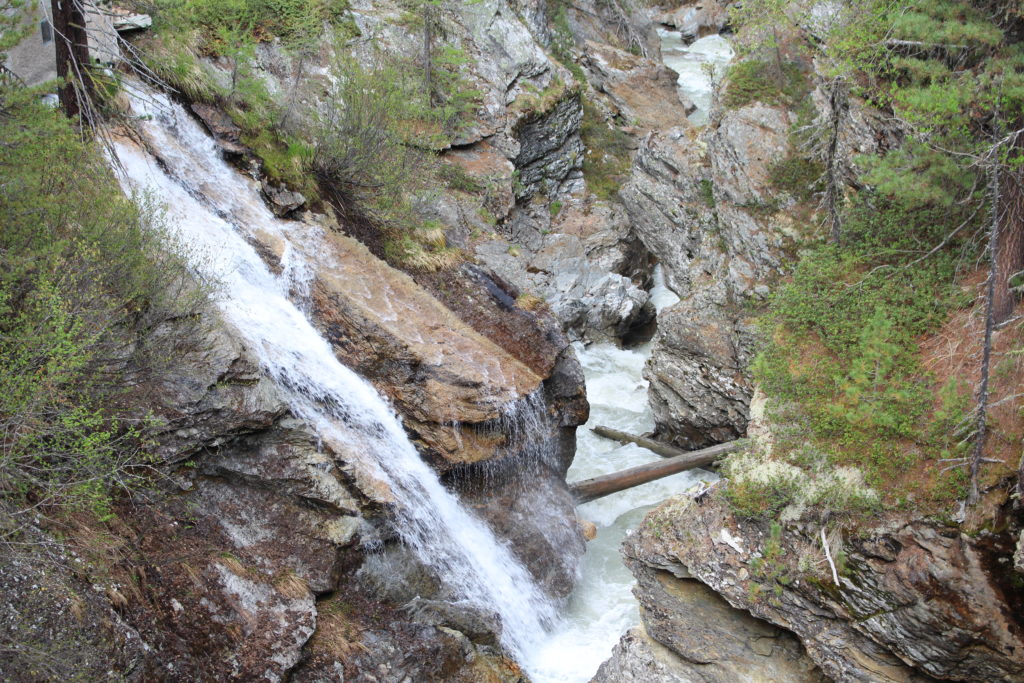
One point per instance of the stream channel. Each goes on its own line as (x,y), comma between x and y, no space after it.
(602,606)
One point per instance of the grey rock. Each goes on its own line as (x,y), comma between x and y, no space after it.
(697,19)
(282,200)
(699,391)
(550,150)
(696,202)
(934,610)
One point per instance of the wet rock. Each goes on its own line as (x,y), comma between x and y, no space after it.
(224,131)
(282,200)
(697,19)
(916,599)
(480,626)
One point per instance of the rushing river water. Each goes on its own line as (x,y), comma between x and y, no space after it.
(692,62)
(602,607)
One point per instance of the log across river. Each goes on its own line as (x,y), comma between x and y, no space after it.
(597,487)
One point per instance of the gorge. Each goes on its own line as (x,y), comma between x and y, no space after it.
(310,313)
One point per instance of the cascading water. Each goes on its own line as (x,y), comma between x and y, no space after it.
(602,607)
(210,205)
(692,63)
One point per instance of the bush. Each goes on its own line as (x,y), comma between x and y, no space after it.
(608,153)
(85,279)
(752,80)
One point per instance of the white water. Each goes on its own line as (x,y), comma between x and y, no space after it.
(211,206)
(689,62)
(602,606)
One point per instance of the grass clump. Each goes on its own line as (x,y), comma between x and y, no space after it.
(608,153)
(753,80)
(89,286)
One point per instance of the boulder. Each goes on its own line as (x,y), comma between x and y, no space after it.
(641,91)
(697,19)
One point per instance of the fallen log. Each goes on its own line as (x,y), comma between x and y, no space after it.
(659,447)
(598,487)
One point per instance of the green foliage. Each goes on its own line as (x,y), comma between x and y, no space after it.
(707,192)
(798,176)
(456,178)
(562,42)
(222,25)
(85,278)
(752,81)
(608,153)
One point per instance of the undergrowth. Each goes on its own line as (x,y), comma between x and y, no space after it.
(89,286)
(608,153)
(842,367)
(754,80)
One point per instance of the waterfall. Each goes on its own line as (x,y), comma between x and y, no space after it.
(210,207)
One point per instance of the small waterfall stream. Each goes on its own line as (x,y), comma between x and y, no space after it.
(210,205)
(602,606)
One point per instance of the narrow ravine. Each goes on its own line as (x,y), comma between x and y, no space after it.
(700,65)
(602,607)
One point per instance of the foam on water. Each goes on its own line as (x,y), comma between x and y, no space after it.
(689,62)
(210,205)
(602,606)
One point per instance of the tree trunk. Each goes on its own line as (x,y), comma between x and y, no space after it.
(428,51)
(662,449)
(598,487)
(1009,253)
(833,178)
(72,47)
(981,422)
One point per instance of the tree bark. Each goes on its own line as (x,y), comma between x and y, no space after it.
(981,421)
(598,487)
(72,52)
(428,50)
(833,181)
(1009,252)
(663,449)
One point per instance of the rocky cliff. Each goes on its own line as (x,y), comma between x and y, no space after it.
(911,600)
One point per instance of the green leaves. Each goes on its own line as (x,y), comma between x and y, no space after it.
(84,277)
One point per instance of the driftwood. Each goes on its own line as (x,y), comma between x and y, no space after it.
(598,487)
(662,449)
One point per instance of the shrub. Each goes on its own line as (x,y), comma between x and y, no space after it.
(608,153)
(752,81)
(86,278)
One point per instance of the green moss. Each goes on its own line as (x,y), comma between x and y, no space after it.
(798,176)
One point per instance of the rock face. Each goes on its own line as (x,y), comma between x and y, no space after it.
(697,19)
(697,201)
(916,600)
